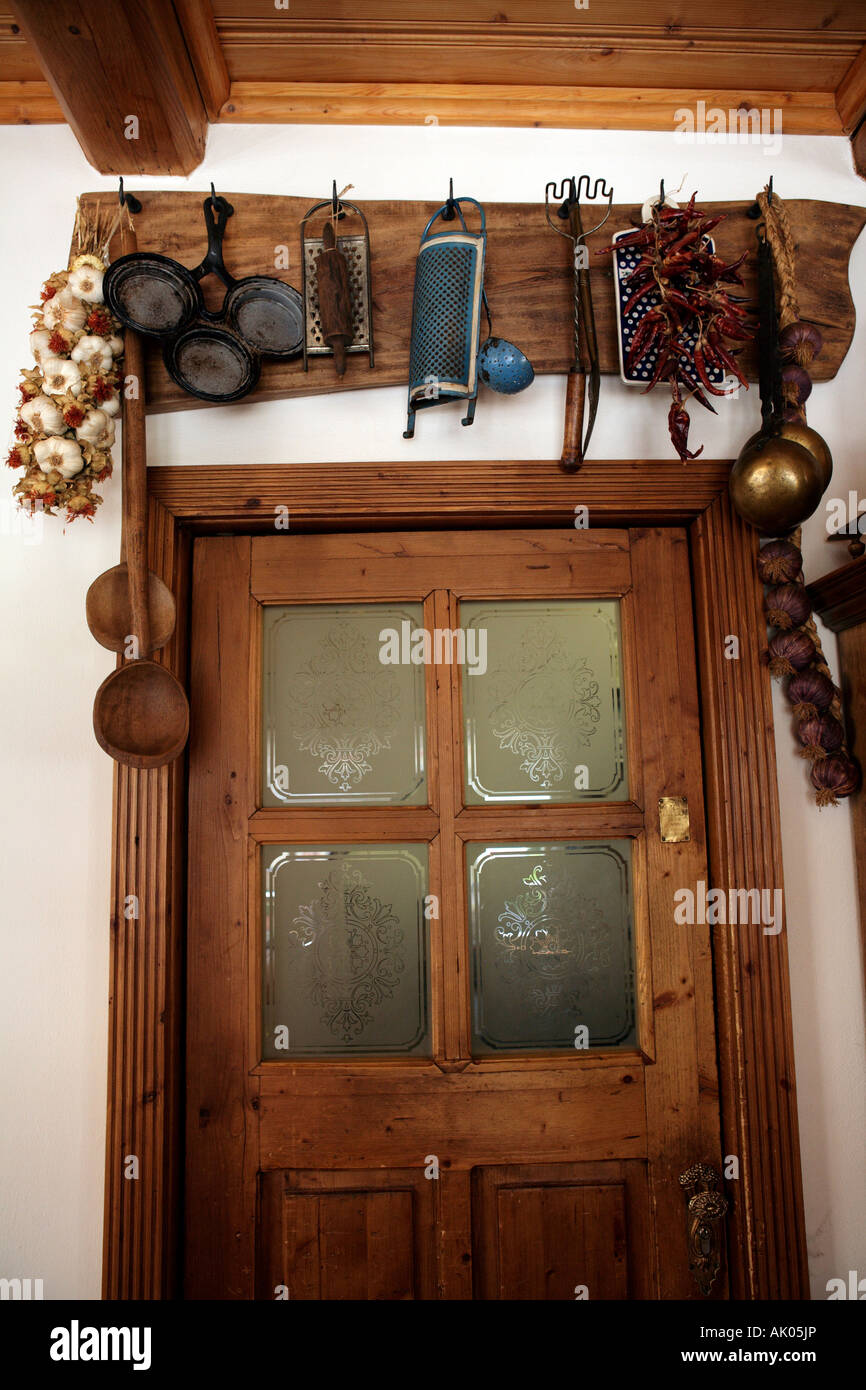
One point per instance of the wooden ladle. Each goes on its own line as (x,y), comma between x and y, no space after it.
(109,615)
(140,713)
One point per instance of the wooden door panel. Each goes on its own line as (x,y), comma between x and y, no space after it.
(561,1231)
(311,1172)
(316,1115)
(346,1235)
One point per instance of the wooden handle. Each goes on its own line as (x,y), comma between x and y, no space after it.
(574,402)
(134,476)
(335,299)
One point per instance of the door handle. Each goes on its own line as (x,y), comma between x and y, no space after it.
(705,1211)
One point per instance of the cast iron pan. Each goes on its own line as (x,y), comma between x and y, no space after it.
(214,356)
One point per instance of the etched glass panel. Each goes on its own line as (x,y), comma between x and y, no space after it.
(544,722)
(345,962)
(340,726)
(550,928)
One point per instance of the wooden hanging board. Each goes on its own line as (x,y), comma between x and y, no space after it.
(528,279)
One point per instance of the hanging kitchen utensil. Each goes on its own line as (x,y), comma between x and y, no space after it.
(140,712)
(501,365)
(336,285)
(575,439)
(213,356)
(446,314)
(109,615)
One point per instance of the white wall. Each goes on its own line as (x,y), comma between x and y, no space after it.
(56,803)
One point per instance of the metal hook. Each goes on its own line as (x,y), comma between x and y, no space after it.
(128,200)
(338,212)
(450,206)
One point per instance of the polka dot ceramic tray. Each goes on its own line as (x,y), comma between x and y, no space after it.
(624,262)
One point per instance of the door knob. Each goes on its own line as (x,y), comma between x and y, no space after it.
(705,1211)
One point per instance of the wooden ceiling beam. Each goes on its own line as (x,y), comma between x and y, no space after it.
(205,51)
(482,104)
(121,73)
(851,94)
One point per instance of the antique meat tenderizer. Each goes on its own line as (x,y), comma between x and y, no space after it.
(446,314)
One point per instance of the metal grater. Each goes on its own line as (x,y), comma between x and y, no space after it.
(446,315)
(355,247)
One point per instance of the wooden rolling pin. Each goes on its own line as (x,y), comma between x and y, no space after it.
(335,299)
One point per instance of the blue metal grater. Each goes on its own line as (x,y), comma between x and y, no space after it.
(446,315)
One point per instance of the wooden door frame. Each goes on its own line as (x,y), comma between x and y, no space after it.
(766,1234)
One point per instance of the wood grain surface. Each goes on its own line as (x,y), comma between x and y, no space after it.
(528,279)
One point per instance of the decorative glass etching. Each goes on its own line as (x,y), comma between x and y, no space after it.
(345,950)
(545,722)
(339,726)
(550,929)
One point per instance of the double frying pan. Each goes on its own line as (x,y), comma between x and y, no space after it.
(214,356)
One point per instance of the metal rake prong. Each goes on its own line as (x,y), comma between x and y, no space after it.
(600,183)
(558,193)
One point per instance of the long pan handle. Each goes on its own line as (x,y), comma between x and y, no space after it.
(134,477)
(575,400)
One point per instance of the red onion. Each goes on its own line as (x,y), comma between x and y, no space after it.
(834,777)
(800,342)
(810,692)
(779,562)
(796,385)
(787,605)
(790,652)
(819,736)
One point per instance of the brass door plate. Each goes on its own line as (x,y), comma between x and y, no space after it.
(673,819)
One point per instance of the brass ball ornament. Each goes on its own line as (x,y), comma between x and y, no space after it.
(776,483)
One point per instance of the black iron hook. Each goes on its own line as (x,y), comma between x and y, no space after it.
(450,206)
(128,200)
(337,209)
(755,210)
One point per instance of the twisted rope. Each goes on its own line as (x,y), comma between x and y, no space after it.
(781,240)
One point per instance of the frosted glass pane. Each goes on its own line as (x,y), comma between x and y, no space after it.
(339,726)
(345,950)
(550,928)
(545,721)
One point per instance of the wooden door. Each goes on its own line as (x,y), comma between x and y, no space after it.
(445,1038)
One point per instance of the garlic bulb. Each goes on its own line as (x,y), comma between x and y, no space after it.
(64,311)
(43,415)
(60,455)
(40,339)
(61,376)
(86,283)
(93,353)
(116,345)
(96,428)
(112,405)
